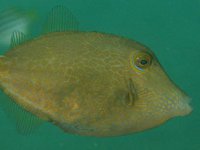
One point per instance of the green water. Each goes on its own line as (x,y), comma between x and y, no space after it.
(170,28)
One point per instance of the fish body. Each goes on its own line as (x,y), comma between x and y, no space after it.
(87,83)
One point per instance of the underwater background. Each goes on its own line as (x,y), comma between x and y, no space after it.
(170,28)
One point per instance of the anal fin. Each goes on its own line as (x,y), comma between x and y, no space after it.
(60,19)
(26,122)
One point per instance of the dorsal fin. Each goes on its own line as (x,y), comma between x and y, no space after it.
(25,121)
(17,38)
(60,19)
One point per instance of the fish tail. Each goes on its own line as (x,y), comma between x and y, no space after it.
(2,67)
(1,60)
(26,122)
(14,19)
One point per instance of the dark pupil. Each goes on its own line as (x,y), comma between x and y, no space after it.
(143,62)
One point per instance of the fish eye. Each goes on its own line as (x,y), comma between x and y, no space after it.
(142,60)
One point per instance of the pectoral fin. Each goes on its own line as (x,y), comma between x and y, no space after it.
(127,96)
(131,94)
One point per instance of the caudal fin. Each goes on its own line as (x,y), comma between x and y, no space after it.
(14,19)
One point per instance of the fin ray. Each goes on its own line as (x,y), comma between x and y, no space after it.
(17,38)
(60,19)
(25,121)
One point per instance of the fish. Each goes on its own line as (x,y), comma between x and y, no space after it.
(86,82)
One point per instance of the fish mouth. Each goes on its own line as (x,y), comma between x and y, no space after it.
(184,106)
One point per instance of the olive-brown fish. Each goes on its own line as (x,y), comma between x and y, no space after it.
(90,83)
